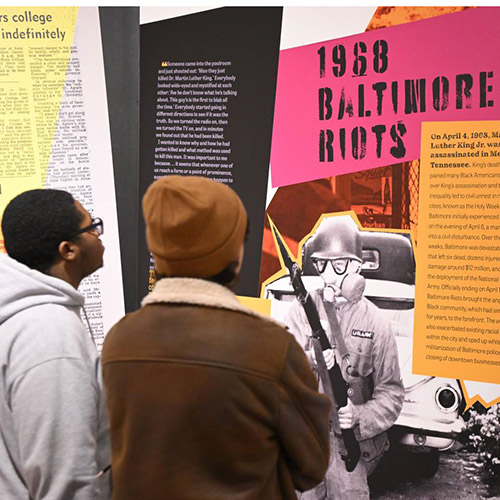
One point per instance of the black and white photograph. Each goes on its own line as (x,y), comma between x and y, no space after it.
(432,442)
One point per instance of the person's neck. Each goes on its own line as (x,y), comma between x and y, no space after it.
(61,271)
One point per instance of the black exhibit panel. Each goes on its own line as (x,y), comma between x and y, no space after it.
(120,44)
(207,89)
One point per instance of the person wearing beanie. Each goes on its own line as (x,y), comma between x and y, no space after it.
(207,399)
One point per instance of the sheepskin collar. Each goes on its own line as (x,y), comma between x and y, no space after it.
(198,292)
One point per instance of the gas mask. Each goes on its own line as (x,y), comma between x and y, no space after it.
(342,279)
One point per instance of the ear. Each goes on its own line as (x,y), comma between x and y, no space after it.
(68,250)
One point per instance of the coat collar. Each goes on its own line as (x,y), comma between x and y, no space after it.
(199,292)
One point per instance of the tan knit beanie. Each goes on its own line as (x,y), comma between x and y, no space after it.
(194,226)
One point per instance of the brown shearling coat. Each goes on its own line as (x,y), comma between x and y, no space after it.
(209,400)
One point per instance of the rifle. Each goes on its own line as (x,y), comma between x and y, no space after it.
(339,386)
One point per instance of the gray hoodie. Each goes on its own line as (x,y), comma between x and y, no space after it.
(53,426)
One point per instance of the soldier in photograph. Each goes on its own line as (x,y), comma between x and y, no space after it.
(363,345)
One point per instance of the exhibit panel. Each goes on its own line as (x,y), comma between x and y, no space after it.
(387,117)
(56,132)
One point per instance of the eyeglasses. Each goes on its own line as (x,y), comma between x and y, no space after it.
(97,228)
(339,265)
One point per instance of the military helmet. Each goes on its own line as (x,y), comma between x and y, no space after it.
(336,237)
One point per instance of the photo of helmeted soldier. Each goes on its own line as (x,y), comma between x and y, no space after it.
(363,347)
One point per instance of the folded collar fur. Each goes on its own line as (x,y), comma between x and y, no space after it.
(198,292)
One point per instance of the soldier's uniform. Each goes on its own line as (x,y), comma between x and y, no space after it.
(373,352)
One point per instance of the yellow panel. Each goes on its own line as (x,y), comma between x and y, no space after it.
(35,45)
(457,303)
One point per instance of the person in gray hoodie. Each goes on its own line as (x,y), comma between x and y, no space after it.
(54,435)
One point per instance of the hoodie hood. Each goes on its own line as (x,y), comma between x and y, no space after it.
(22,288)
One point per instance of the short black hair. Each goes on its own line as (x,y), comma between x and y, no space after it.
(227,277)
(35,222)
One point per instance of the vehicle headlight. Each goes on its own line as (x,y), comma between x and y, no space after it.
(419,439)
(447,398)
